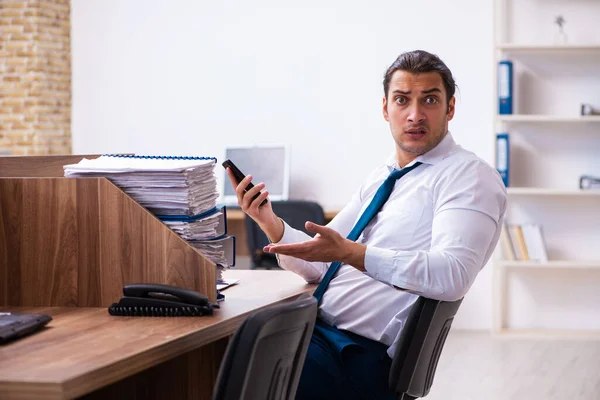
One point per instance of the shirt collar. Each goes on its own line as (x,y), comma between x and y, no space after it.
(433,156)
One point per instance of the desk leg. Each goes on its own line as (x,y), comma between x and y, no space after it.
(189,376)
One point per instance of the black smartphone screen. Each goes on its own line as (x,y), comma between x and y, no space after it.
(239,176)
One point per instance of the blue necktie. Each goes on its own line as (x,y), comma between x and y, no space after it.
(383,193)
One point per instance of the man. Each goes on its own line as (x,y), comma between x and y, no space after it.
(432,235)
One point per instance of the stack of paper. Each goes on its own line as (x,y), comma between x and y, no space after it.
(209,225)
(181,191)
(208,233)
(166,186)
(221,251)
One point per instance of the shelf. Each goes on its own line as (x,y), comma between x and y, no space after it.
(562,264)
(526,191)
(550,334)
(552,146)
(546,118)
(552,62)
(549,49)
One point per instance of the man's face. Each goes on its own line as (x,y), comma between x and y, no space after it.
(417,112)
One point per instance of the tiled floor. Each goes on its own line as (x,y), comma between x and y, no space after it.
(474,366)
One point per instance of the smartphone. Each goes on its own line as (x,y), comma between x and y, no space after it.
(239,176)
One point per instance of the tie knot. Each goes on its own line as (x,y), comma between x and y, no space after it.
(396,174)
(399,173)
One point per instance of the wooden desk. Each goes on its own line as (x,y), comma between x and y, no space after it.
(236,227)
(85,351)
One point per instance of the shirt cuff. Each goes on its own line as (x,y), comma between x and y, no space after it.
(379,263)
(291,235)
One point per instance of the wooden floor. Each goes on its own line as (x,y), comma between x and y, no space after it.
(474,366)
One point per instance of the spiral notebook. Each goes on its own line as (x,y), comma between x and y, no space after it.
(122,163)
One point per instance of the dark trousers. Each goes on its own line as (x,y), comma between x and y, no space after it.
(342,365)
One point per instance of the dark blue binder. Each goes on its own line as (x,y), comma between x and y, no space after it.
(505,87)
(503,156)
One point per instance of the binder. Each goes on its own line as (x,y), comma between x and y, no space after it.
(159,157)
(508,251)
(534,241)
(505,87)
(516,236)
(503,156)
(221,251)
(180,190)
(211,224)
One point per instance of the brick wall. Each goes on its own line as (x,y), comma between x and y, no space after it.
(35,77)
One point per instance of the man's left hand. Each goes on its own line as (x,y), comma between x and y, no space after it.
(326,246)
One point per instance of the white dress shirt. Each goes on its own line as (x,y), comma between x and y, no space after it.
(436,231)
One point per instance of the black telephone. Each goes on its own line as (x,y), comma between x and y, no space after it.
(154,300)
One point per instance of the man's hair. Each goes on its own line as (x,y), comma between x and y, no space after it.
(418,62)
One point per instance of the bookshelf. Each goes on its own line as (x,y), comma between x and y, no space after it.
(548,119)
(558,264)
(551,145)
(510,48)
(533,191)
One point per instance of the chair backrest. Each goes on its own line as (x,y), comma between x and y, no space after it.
(295,213)
(420,345)
(265,356)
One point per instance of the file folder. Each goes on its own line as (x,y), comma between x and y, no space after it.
(503,156)
(505,87)
(211,224)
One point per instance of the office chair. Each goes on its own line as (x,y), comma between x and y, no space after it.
(419,347)
(265,356)
(295,213)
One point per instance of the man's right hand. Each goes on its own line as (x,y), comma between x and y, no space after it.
(262,215)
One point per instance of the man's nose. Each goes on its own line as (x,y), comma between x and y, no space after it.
(416,114)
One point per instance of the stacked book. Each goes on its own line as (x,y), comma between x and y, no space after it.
(180,191)
(523,243)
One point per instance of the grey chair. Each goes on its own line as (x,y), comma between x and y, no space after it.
(295,213)
(420,346)
(265,356)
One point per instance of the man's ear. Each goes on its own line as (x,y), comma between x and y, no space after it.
(385,112)
(450,111)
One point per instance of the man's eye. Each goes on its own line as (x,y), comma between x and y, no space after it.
(431,100)
(401,100)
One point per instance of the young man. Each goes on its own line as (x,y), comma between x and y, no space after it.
(439,223)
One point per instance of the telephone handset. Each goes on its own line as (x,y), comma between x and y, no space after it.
(154,300)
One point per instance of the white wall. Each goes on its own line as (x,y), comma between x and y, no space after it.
(191,77)
(194,76)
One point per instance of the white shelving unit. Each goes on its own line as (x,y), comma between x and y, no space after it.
(551,140)
(532,191)
(556,264)
(547,118)
(588,50)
